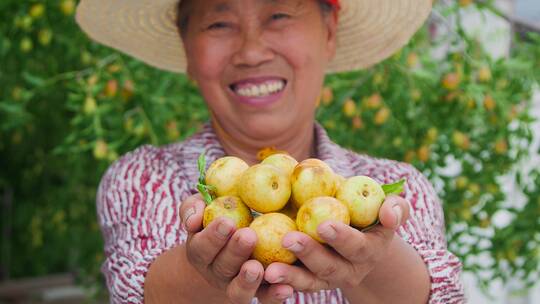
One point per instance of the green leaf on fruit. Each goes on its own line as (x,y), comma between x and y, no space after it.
(204,189)
(201,164)
(395,188)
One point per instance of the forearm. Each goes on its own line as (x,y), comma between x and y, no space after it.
(172,279)
(400,277)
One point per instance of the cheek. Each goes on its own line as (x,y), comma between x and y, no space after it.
(207,60)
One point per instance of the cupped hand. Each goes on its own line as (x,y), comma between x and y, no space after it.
(348,259)
(221,254)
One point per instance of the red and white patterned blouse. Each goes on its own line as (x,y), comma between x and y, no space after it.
(139,196)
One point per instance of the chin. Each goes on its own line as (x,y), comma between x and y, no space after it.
(268,127)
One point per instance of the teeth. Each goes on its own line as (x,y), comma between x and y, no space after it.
(264,89)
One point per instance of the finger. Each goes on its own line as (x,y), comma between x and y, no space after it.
(275,293)
(323,262)
(298,278)
(394,212)
(243,287)
(237,251)
(354,245)
(204,246)
(191,213)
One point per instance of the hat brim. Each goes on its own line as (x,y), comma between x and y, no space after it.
(369,31)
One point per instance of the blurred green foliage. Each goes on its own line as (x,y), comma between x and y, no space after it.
(69,107)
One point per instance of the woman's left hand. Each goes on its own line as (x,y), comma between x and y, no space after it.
(353,254)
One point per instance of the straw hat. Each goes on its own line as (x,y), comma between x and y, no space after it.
(368,31)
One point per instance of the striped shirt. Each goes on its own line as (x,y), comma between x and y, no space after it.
(139,196)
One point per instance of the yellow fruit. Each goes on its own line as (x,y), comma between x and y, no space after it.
(432,134)
(270,229)
(45,36)
(349,108)
(451,81)
(489,103)
(484,74)
(265,188)
(412,60)
(67,7)
(224,175)
(363,197)
(409,156)
(127,90)
(462,182)
(357,123)
(101,149)
(230,207)
(265,152)
(378,79)
(172,130)
(37,10)
(424,153)
(90,105)
(501,146)
(312,178)
(111,88)
(465,3)
(26,45)
(461,140)
(282,161)
(382,116)
(374,101)
(327,96)
(318,210)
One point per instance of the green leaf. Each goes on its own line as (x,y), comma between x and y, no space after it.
(201,164)
(395,188)
(205,190)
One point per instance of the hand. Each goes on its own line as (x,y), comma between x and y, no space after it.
(349,259)
(221,253)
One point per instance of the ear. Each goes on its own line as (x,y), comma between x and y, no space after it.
(331,21)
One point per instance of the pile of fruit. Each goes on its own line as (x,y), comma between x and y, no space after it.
(280,195)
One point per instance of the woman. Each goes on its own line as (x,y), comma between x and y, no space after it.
(260,66)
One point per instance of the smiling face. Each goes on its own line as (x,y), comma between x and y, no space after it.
(259,64)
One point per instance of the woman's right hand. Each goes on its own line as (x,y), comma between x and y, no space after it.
(221,254)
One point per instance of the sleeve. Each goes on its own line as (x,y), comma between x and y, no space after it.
(425,231)
(137,208)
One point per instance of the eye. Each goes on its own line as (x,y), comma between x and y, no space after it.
(218,25)
(280,16)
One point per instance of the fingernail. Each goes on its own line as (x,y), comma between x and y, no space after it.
(224,229)
(397,212)
(328,232)
(191,211)
(282,296)
(251,277)
(294,247)
(277,280)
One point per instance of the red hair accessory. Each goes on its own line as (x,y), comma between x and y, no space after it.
(333,3)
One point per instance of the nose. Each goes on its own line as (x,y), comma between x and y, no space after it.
(252,50)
